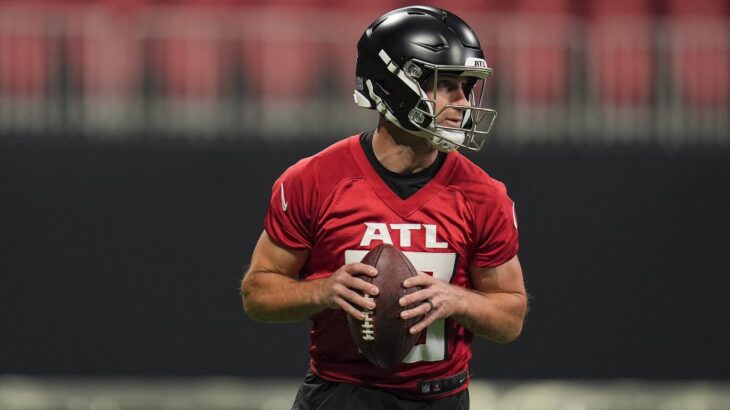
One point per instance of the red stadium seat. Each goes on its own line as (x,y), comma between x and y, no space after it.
(103,54)
(282,54)
(282,69)
(24,52)
(534,50)
(342,53)
(704,8)
(619,51)
(188,55)
(700,51)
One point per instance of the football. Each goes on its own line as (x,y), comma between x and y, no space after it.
(383,337)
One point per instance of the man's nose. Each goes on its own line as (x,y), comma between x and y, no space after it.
(458,97)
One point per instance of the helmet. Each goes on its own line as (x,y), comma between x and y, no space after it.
(404,50)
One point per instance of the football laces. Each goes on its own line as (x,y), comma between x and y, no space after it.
(367,325)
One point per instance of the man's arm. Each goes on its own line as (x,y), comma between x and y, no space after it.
(497,306)
(272,292)
(494,309)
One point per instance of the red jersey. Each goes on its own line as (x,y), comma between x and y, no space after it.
(335,205)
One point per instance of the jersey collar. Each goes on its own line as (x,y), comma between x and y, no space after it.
(402,207)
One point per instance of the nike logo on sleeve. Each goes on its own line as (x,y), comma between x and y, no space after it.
(284,204)
(514,214)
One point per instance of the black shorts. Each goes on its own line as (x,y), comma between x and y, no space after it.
(317,393)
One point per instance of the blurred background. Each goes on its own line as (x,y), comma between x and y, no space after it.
(139,140)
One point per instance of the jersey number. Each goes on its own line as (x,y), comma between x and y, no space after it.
(442,266)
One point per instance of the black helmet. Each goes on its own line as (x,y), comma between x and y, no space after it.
(404,49)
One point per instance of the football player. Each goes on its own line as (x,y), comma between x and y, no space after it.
(422,69)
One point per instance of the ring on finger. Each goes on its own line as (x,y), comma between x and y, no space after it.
(430,304)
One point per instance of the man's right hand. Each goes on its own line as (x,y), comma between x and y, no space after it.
(339,291)
(272,292)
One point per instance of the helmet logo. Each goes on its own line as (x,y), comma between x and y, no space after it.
(476,62)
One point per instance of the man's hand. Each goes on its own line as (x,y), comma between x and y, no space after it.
(436,300)
(495,308)
(340,289)
(272,292)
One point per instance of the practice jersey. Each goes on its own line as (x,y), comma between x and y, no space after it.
(335,205)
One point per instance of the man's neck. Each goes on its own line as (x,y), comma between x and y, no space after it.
(400,151)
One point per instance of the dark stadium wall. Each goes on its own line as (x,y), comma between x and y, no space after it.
(126,260)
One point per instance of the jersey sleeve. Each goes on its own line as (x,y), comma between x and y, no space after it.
(289,216)
(497,227)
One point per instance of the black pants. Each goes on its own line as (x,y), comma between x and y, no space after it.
(319,394)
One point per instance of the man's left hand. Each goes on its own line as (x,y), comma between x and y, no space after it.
(436,300)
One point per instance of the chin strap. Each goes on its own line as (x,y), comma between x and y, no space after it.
(444,142)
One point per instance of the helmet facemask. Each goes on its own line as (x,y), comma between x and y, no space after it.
(476,120)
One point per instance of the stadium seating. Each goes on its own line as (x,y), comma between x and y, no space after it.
(103,59)
(699,51)
(188,55)
(24,53)
(282,55)
(563,68)
(534,51)
(620,60)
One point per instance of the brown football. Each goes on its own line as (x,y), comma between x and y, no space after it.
(383,337)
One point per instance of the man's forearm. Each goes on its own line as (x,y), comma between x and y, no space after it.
(495,316)
(273,297)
